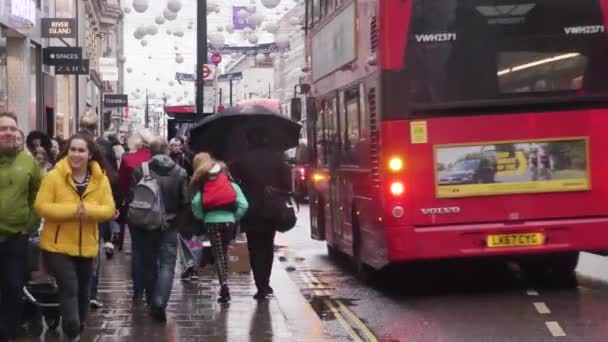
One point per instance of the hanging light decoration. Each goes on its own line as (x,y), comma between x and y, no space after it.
(169,15)
(282,41)
(220,28)
(176,47)
(122,59)
(169,32)
(140,6)
(179,59)
(272,28)
(242,14)
(129,70)
(217,40)
(140,32)
(230,28)
(171,83)
(144,43)
(152,30)
(212,6)
(174,5)
(178,32)
(127,10)
(251,9)
(271,3)
(256,19)
(260,58)
(158,79)
(253,38)
(159,20)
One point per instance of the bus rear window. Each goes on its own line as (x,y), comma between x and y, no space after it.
(474,50)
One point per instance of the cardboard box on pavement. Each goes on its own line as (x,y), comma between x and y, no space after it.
(238,257)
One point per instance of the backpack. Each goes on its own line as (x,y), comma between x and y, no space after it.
(147,209)
(218,194)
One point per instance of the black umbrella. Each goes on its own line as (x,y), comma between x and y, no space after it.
(237,130)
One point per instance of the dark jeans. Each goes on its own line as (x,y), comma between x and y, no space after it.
(73,275)
(136,270)
(13,274)
(260,244)
(158,258)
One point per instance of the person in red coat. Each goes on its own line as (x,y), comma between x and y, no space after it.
(138,142)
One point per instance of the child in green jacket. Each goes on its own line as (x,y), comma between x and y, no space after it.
(219,203)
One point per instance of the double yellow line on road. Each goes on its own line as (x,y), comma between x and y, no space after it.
(338,308)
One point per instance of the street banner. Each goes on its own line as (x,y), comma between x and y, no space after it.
(62,56)
(264,49)
(241,24)
(115,100)
(82,69)
(58,28)
(235,76)
(512,167)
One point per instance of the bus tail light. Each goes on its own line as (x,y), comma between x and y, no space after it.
(302,173)
(397,188)
(398,212)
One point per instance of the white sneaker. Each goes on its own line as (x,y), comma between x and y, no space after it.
(95,303)
(108,248)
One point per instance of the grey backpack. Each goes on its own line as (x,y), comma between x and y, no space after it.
(147,209)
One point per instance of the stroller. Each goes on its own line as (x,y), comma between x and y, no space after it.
(40,295)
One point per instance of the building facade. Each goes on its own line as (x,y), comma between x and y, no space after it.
(43,100)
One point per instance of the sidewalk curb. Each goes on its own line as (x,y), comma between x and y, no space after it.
(302,320)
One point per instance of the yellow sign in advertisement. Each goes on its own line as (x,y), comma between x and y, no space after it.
(513,167)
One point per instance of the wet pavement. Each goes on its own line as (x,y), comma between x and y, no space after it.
(487,300)
(194,314)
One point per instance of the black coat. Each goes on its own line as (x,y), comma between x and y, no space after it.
(254,171)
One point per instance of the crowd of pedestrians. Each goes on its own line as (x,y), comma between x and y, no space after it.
(82,194)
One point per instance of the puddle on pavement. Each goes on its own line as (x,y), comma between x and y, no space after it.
(322,310)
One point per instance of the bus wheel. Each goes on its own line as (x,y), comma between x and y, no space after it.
(558,266)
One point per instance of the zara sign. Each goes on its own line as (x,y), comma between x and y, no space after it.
(24,9)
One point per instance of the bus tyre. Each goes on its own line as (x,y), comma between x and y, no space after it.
(558,266)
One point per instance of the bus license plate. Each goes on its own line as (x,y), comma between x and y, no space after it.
(515,240)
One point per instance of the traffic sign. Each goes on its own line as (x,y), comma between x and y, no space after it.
(216,58)
(208,72)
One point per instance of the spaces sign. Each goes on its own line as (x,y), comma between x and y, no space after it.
(115,100)
(62,56)
(58,28)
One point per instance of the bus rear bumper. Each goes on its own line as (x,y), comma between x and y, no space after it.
(463,241)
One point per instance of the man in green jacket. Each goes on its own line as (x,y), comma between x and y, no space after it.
(19,183)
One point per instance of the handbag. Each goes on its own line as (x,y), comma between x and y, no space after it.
(279,209)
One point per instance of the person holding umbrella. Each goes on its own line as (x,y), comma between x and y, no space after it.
(262,136)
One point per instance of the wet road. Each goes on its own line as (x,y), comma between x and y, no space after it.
(447,301)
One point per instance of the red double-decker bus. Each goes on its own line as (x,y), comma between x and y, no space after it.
(450,129)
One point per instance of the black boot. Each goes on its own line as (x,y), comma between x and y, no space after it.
(224,294)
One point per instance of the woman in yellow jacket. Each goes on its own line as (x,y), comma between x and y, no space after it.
(73,198)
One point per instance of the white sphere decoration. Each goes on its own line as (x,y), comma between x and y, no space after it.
(169,15)
(242,14)
(178,33)
(260,58)
(140,5)
(144,43)
(129,70)
(190,26)
(122,59)
(171,83)
(149,57)
(256,19)
(152,30)
(247,30)
(217,40)
(138,90)
(159,20)
(157,79)
(293,21)
(282,41)
(253,38)
(272,28)
(176,47)
(220,28)
(251,9)
(230,28)
(174,5)
(212,6)
(127,10)
(179,59)
(271,3)
(169,31)
(139,33)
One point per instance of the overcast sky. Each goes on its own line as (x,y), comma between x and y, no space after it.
(157,59)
